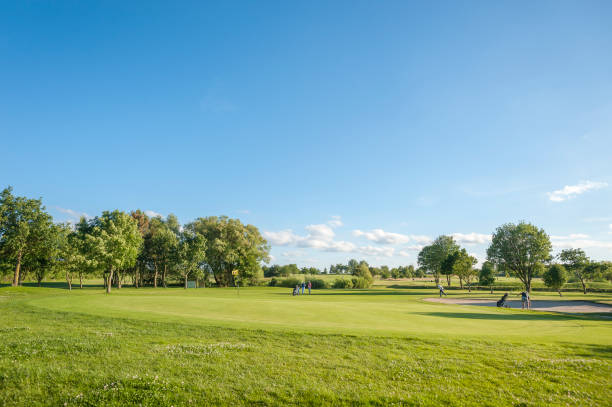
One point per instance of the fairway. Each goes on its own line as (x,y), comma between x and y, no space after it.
(383,346)
(380,312)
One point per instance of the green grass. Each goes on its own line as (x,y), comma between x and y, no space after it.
(343,347)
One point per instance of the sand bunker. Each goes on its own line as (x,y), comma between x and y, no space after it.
(575,307)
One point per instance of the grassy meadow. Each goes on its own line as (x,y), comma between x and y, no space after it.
(379,346)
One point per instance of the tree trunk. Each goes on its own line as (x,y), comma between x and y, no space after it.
(16,279)
(155,277)
(583,285)
(109,282)
(118,280)
(461,282)
(491,289)
(81,280)
(164,275)
(448,279)
(69,281)
(185,281)
(559,290)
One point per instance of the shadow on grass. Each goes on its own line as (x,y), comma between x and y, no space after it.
(355,292)
(55,284)
(527,316)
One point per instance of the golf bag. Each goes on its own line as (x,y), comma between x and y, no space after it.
(502,302)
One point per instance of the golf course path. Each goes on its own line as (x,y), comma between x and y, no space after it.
(576,307)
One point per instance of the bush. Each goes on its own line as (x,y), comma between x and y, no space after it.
(342,283)
(318,283)
(360,282)
(285,282)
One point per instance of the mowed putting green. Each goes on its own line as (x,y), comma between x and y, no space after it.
(379,312)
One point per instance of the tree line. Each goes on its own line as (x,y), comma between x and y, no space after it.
(350,268)
(120,246)
(521,250)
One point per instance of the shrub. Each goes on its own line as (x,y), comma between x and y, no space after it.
(555,277)
(318,283)
(360,282)
(342,283)
(285,282)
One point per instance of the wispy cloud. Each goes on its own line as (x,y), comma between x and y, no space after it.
(320,236)
(377,251)
(153,214)
(471,238)
(382,237)
(598,219)
(335,222)
(73,216)
(571,236)
(579,240)
(571,191)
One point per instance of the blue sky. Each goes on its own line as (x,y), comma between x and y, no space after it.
(341,129)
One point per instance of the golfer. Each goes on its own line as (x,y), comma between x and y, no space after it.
(309,287)
(303,286)
(525,300)
(441,291)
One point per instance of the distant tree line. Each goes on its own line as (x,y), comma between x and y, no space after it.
(121,247)
(521,250)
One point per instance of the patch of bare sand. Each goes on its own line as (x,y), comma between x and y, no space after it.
(574,307)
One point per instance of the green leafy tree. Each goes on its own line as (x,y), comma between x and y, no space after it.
(164,244)
(141,271)
(447,267)
(230,245)
(363,271)
(115,242)
(576,261)
(520,249)
(432,256)
(24,228)
(191,253)
(45,258)
(555,277)
(486,276)
(463,267)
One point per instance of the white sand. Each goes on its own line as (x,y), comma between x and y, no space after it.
(576,307)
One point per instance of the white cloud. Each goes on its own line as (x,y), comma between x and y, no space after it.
(72,213)
(579,240)
(293,254)
(319,237)
(377,251)
(153,214)
(382,237)
(582,244)
(74,216)
(598,219)
(335,222)
(404,253)
(571,191)
(322,232)
(471,238)
(281,238)
(572,236)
